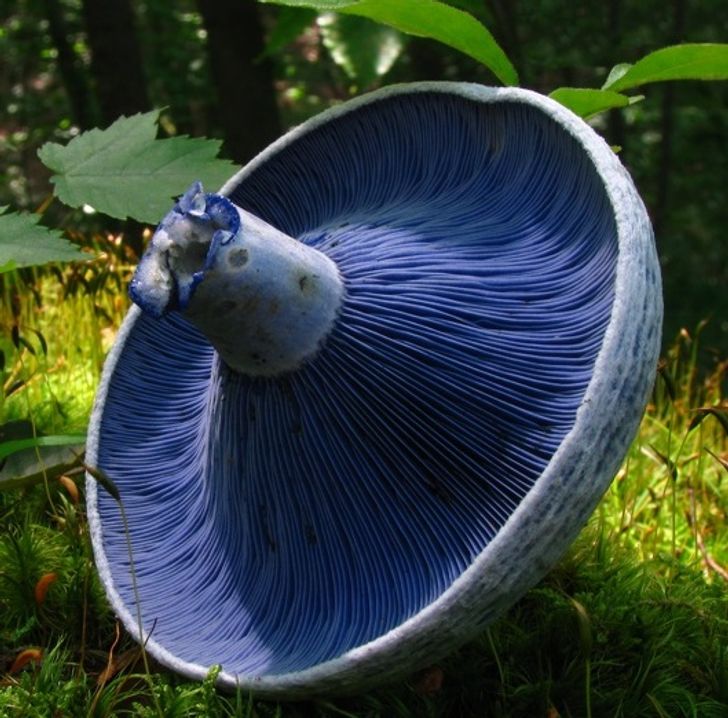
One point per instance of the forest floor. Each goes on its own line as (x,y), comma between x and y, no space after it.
(632,622)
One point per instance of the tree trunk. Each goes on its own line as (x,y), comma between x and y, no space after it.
(505,13)
(426,58)
(72,74)
(615,122)
(116,62)
(664,167)
(246,107)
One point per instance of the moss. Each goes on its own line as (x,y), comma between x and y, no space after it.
(632,622)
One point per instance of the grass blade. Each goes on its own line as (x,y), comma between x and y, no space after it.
(11,447)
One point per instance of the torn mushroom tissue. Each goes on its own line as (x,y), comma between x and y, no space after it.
(264,300)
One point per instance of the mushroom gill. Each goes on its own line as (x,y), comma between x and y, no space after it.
(482,352)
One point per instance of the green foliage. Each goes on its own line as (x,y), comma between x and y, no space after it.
(457,29)
(635,616)
(290,23)
(10,447)
(27,459)
(426,18)
(586,103)
(321,5)
(25,462)
(24,242)
(47,690)
(125,171)
(364,50)
(633,622)
(707,61)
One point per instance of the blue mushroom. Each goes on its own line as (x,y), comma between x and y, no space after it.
(372,388)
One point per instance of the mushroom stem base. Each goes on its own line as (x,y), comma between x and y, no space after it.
(264,300)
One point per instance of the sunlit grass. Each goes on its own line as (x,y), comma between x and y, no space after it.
(632,622)
(670,498)
(55,334)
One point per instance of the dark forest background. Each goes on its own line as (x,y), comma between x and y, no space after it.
(245,72)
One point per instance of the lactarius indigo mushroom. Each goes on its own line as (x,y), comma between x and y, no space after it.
(373,388)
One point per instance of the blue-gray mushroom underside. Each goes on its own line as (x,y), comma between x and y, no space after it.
(278,523)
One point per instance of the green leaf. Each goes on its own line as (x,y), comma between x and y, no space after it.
(616,73)
(322,5)
(364,50)
(707,61)
(124,171)
(587,103)
(10,447)
(34,466)
(426,18)
(24,242)
(290,23)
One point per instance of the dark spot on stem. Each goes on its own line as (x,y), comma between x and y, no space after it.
(238,257)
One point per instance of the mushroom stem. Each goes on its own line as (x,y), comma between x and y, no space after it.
(264,300)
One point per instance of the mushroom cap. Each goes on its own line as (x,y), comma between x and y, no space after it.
(348,522)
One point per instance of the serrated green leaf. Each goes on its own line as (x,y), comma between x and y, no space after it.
(364,50)
(24,242)
(125,171)
(426,18)
(707,61)
(586,102)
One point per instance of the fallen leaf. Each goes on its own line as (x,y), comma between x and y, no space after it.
(25,657)
(70,486)
(41,588)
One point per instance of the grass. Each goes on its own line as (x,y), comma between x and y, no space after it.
(632,622)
